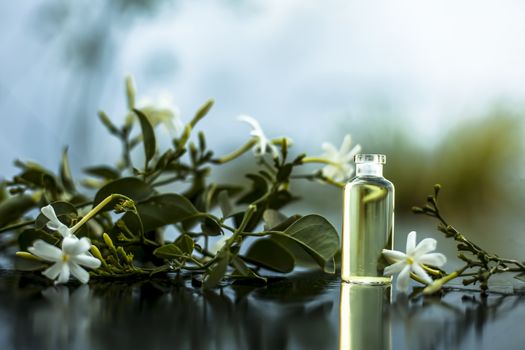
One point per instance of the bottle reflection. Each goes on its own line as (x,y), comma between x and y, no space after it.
(363,320)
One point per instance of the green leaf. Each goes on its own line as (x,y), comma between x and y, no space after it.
(301,257)
(51,188)
(165,159)
(329,265)
(272,218)
(259,189)
(280,198)
(168,251)
(315,235)
(185,244)
(286,223)
(216,273)
(103,171)
(210,197)
(210,227)
(271,255)
(22,264)
(32,173)
(29,236)
(284,172)
(131,222)
(108,124)
(130,187)
(148,135)
(224,203)
(65,212)
(244,271)
(13,208)
(65,173)
(165,209)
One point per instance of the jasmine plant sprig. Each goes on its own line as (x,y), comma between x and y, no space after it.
(133,243)
(480,265)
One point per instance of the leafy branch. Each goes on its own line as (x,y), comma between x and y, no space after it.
(480,265)
(251,233)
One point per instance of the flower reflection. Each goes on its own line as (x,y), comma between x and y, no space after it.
(65,321)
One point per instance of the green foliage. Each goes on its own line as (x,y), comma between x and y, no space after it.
(479,264)
(131,187)
(271,255)
(148,136)
(315,235)
(132,243)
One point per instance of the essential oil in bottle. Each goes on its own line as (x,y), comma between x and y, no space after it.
(368,222)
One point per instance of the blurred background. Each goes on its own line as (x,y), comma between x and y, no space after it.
(439,88)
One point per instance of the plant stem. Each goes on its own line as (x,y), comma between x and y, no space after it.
(15,226)
(319,160)
(229,157)
(96,209)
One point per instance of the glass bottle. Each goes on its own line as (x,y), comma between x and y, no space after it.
(368,222)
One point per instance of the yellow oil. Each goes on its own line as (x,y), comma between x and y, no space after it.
(368,221)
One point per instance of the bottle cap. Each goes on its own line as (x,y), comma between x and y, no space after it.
(370,158)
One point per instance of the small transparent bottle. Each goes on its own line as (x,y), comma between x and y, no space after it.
(368,222)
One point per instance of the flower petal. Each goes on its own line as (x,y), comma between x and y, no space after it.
(81,274)
(425,246)
(64,274)
(53,271)
(330,150)
(86,260)
(394,268)
(49,212)
(418,270)
(75,246)
(251,121)
(394,255)
(262,144)
(434,259)
(45,251)
(350,155)
(345,146)
(411,242)
(330,172)
(64,230)
(403,280)
(346,170)
(53,226)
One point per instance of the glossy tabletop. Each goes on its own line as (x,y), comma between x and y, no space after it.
(304,311)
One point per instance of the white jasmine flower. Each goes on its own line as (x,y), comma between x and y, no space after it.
(262,142)
(340,167)
(69,260)
(54,224)
(163,111)
(411,261)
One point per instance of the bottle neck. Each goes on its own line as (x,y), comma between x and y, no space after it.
(369,169)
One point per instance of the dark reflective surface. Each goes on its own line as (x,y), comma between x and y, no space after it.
(307,311)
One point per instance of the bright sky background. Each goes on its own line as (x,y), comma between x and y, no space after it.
(301,67)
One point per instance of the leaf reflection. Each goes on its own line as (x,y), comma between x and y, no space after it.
(172,314)
(452,321)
